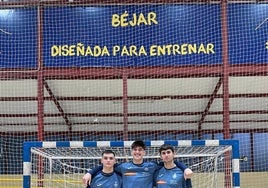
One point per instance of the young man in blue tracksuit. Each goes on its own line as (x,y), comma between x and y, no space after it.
(169,176)
(107,177)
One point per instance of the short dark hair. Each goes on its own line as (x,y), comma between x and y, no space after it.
(166,147)
(138,143)
(107,151)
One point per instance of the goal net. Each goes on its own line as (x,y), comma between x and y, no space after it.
(61,167)
(98,70)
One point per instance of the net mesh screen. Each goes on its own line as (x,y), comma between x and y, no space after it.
(64,167)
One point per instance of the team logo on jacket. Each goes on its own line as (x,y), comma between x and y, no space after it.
(115,184)
(130,173)
(161,182)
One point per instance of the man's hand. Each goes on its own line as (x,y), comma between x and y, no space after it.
(188,173)
(87,179)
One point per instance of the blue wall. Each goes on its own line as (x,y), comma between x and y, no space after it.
(71,34)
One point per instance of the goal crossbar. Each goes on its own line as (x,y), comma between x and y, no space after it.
(49,147)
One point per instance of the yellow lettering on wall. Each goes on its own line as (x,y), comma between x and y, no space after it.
(184,49)
(54,51)
(176,49)
(105,51)
(201,49)
(80,49)
(168,49)
(134,21)
(152,18)
(161,50)
(141,20)
(133,50)
(89,51)
(125,19)
(72,50)
(153,51)
(97,51)
(210,48)
(115,20)
(124,51)
(64,50)
(115,50)
(192,49)
(142,51)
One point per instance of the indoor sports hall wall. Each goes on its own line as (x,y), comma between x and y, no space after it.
(127,70)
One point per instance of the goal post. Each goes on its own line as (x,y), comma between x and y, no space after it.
(62,164)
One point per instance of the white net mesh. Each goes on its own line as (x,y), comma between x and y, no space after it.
(64,167)
(176,70)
